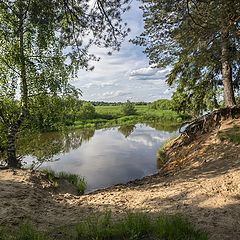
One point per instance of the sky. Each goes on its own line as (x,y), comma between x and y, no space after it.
(125,75)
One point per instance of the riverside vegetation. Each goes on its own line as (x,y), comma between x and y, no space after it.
(102,227)
(62,113)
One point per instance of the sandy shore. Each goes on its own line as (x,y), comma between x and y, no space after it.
(205,188)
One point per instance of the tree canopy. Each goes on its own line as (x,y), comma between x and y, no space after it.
(43,44)
(200,40)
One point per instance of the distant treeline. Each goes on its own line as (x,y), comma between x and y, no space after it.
(102,103)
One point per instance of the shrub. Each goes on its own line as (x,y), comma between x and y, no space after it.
(87,111)
(128,109)
(161,104)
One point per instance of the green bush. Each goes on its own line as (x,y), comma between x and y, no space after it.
(161,104)
(87,111)
(128,109)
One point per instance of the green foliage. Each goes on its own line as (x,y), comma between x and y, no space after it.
(48,113)
(161,104)
(138,226)
(76,180)
(192,36)
(232,135)
(161,153)
(134,226)
(176,227)
(41,52)
(87,111)
(128,109)
(28,232)
(108,116)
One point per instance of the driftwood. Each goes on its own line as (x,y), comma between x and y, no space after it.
(204,124)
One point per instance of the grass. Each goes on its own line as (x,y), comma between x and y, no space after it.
(177,228)
(24,232)
(138,226)
(161,153)
(232,135)
(108,116)
(78,181)
(134,226)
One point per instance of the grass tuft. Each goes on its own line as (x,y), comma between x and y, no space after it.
(27,232)
(76,180)
(232,135)
(161,153)
(177,228)
(138,226)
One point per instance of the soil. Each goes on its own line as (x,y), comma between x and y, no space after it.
(201,180)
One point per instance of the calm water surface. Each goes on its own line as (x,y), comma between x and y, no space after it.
(104,157)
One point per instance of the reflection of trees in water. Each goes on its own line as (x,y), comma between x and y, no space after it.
(44,146)
(164,126)
(126,130)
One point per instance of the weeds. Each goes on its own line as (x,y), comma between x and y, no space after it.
(76,180)
(177,228)
(138,226)
(232,135)
(25,232)
(135,226)
(28,232)
(161,153)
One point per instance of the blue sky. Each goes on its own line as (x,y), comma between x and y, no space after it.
(125,75)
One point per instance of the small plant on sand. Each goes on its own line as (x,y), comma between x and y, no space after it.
(27,232)
(176,227)
(232,135)
(76,180)
(161,153)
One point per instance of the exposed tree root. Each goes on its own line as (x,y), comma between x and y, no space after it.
(204,124)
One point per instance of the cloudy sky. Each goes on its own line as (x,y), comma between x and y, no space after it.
(125,75)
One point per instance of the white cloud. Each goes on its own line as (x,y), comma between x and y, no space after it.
(149,73)
(125,74)
(113,94)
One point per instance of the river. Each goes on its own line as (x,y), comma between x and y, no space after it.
(103,157)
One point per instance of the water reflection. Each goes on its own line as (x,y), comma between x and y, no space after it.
(126,130)
(44,146)
(104,157)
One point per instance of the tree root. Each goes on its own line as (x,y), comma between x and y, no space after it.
(204,124)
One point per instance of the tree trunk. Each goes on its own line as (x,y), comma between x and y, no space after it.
(229,98)
(12,160)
